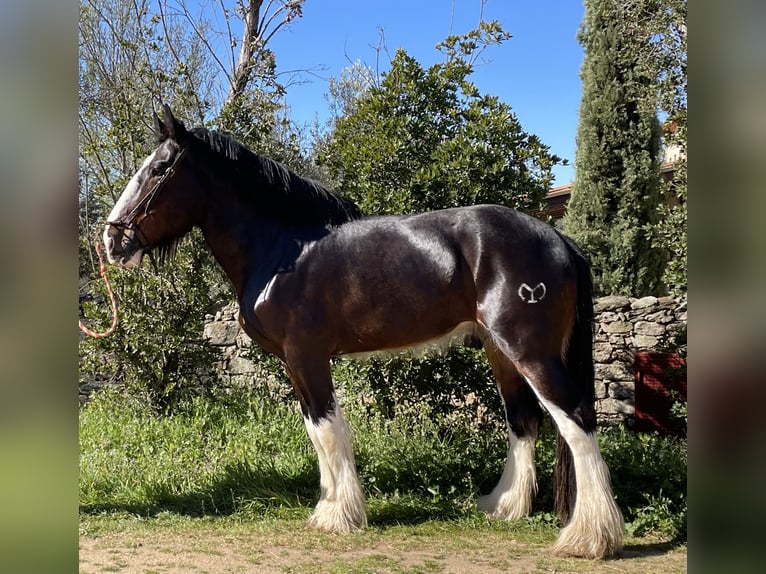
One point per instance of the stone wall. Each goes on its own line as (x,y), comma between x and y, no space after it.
(623,327)
(236,366)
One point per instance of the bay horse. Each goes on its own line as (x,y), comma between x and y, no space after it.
(315,279)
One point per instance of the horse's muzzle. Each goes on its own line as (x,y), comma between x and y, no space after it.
(123,246)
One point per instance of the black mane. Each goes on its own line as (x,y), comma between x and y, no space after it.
(274,189)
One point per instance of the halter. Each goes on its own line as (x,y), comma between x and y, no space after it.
(129,223)
(146,202)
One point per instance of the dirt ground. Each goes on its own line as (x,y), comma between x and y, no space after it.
(217,552)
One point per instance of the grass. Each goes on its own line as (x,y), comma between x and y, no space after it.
(469,544)
(240,472)
(251,456)
(214,458)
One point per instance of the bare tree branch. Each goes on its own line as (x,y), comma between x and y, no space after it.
(202,38)
(232,41)
(238,80)
(260,26)
(182,65)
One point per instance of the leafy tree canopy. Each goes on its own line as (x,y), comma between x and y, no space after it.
(426,138)
(133,57)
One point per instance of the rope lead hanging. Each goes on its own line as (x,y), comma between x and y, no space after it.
(102,269)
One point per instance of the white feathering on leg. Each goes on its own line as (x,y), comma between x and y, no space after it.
(596,527)
(341,506)
(511,499)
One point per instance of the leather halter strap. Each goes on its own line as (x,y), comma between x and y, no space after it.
(146,201)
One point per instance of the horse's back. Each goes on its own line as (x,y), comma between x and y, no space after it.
(461,227)
(491,240)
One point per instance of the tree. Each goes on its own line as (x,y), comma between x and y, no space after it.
(125,71)
(255,94)
(134,56)
(425,138)
(617,193)
(666,57)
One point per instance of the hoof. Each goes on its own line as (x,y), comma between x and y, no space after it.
(592,543)
(503,509)
(336,519)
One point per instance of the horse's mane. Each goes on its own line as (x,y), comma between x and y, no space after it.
(275,190)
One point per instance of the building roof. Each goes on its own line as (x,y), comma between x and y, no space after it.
(557,197)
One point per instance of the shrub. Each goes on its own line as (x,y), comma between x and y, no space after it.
(649,479)
(448,383)
(245,453)
(157,350)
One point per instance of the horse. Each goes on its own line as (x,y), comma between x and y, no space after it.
(316,279)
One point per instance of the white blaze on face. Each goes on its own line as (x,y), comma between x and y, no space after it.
(120,210)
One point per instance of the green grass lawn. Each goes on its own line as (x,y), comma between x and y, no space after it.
(238,476)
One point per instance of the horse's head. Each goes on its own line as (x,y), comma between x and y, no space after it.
(159,204)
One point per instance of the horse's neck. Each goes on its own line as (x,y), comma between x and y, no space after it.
(250,250)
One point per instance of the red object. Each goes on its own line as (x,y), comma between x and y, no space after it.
(102,270)
(660,382)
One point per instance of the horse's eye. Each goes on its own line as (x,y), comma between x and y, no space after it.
(157,170)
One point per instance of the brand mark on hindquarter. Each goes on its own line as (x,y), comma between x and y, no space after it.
(532,294)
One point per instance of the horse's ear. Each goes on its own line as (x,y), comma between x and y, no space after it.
(173,128)
(160,130)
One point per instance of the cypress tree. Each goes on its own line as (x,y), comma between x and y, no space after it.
(617,188)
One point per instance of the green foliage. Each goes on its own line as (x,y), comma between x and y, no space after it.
(252,117)
(680,412)
(425,138)
(245,454)
(670,232)
(649,480)
(231,454)
(660,515)
(126,70)
(617,192)
(667,59)
(459,377)
(134,56)
(157,350)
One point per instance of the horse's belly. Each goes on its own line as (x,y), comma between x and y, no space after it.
(463,333)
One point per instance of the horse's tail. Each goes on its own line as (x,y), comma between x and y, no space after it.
(579,364)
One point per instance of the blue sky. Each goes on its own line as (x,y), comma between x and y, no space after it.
(536,72)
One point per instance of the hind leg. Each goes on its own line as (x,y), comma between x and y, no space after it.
(341,506)
(595,528)
(512,498)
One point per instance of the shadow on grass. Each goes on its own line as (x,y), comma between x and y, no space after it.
(632,551)
(410,509)
(253,493)
(242,489)
(239,488)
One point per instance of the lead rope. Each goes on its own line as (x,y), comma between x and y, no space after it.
(102,269)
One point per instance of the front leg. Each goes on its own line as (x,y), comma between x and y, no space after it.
(341,506)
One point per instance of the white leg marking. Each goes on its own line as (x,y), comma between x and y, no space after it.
(511,499)
(596,527)
(341,504)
